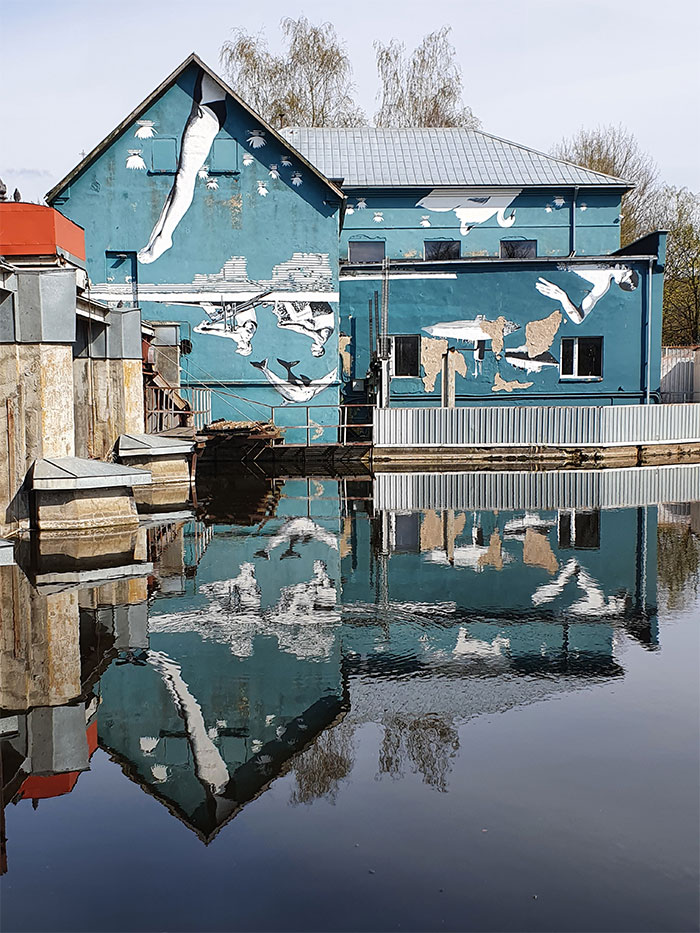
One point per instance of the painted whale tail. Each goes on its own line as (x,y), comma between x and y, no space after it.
(287,366)
(262,364)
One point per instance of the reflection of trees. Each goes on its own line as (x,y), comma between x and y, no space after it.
(427,742)
(319,770)
(679,563)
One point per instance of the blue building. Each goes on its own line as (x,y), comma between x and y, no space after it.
(418,268)
(201,213)
(504,265)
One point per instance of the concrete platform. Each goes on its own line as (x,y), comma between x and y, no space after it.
(60,474)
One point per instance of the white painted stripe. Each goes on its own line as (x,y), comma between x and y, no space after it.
(371,277)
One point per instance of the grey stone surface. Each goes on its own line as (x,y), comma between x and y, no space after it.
(65,473)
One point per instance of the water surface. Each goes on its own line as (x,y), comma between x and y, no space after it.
(357,705)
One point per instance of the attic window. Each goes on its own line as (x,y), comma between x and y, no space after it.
(223,158)
(366,250)
(442,249)
(518,249)
(164,155)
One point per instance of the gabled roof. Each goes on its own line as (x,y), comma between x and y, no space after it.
(432,157)
(158,92)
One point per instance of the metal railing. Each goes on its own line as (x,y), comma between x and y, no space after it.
(168,407)
(551,426)
(351,428)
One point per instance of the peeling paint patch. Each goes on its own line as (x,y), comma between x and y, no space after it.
(430,531)
(494,554)
(500,384)
(539,335)
(495,330)
(432,351)
(537,551)
(410,254)
(344,342)
(235,204)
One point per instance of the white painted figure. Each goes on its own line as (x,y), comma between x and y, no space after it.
(237,321)
(206,118)
(472,208)
(314,319)
(295,389)
(600,277)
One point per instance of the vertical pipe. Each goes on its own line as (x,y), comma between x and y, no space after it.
(572,229)
(647,368)
(371,332)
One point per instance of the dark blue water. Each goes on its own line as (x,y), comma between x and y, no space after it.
(307,710)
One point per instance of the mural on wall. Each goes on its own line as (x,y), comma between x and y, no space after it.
(206,118)
(600,277)
(472,208)
(239,322)
(296,389)
(521,359)
(478,332)
(314,319)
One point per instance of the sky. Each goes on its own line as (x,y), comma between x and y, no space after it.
(534,70)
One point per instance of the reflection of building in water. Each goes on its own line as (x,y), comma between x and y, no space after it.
(236,661)
(244,667)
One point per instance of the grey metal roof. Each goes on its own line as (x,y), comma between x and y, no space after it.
(79,473)
(432,157)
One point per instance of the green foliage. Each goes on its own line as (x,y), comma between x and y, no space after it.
(679,213)
(678,563)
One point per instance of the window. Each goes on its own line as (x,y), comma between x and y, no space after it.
(223,157)
(406,533)
(407,355)
(581,358)
(164,155)
(366,250)
(442,249)
(518,249)
(579,530)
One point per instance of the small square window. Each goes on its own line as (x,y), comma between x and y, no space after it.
(407,355)
(518,249)
(164,155)
(442,249)
(407,533)
(223,157)
(366,250)
(581,358)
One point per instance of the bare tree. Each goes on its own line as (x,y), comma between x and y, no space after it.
(679,213)
(424,89)
(613,150)
(310,84)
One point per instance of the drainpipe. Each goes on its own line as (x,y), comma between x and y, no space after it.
(572,231)
(647,400)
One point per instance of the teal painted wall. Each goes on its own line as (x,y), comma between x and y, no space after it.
(423,295)
(286,239)
(398,218)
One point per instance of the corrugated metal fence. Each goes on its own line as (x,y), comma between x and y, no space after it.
(677,373)
(553,426)
(515,490)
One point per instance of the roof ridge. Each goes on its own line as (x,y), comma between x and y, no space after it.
(161,89)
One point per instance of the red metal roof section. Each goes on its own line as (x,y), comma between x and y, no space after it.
(35,230)
(43,786)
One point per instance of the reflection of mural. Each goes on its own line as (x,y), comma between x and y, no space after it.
(206,119)
(593,602)
(314,319)
(295,389)
(600,277)
(472,210)
(298,530)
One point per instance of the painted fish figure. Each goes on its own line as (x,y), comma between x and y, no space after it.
(467,331)
(296,389)
(519,357)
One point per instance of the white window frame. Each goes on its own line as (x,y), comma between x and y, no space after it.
(574,377)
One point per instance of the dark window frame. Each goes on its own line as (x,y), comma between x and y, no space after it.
(571,353)
(356,243)
(445,244)
(400,355)
(515,246)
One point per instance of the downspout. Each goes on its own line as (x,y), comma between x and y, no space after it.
(572,232)
(648,359)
